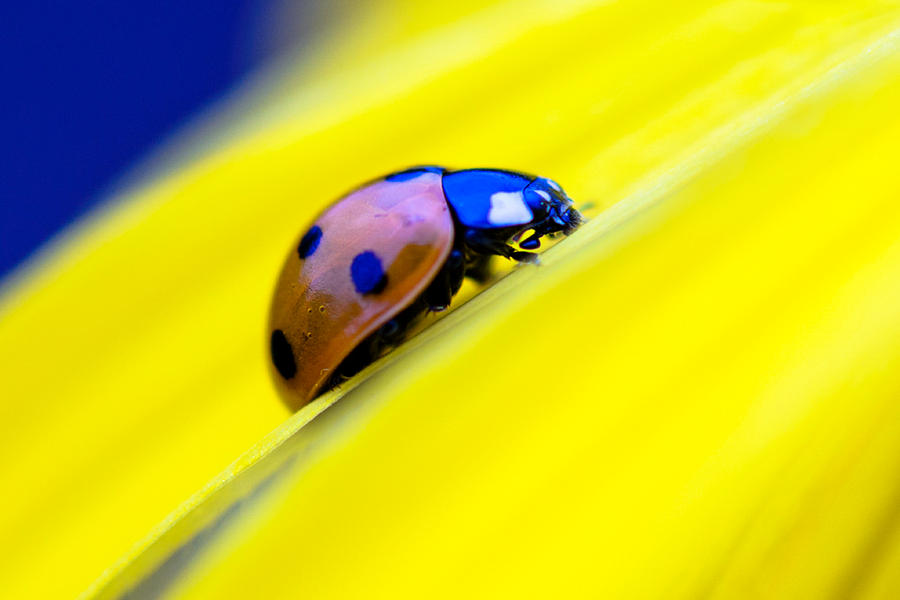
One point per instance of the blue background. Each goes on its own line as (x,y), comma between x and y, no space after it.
(91,86)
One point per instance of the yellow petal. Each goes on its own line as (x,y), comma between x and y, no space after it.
(695,395)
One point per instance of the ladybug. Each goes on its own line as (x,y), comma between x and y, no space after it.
(382,256)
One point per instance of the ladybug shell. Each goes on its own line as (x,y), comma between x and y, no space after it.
(365,259)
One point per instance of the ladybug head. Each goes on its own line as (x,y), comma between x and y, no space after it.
(552,208)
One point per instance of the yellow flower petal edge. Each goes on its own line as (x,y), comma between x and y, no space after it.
(695,395)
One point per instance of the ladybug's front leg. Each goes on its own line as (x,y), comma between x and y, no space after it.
(493,242)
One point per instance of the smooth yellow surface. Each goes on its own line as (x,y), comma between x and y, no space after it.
(695,395)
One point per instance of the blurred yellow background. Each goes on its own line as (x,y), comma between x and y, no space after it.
(695,395)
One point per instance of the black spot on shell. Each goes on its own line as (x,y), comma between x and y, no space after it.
(310,242)
(367,273)
(283,355)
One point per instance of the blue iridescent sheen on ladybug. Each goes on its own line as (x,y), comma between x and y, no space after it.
(382,256)
(491,203)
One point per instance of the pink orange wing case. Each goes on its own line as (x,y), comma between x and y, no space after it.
(318,304)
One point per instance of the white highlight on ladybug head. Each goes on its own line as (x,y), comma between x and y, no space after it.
(543,195)
(508,208)
(553,184)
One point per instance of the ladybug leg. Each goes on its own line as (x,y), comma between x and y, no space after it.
(356,361)
(481,241)
(370,349)
(479,268)
(447,282)
(395,331)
